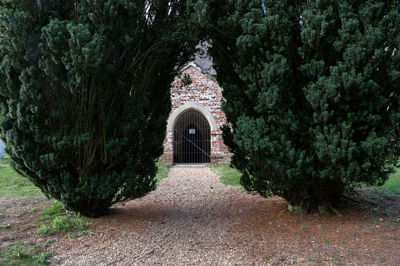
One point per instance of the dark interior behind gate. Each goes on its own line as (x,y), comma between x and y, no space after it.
(192,143)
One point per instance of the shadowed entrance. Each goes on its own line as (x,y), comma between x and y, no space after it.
(192,138)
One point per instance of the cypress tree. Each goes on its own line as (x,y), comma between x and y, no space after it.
(312,93)
(84,94)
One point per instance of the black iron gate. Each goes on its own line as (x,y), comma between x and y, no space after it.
(192,143)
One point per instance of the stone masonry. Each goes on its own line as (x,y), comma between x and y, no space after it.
(204,93)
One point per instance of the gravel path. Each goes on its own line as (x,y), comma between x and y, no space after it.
(187,220)
(193,219)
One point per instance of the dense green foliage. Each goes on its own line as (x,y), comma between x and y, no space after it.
(231,176)
(312,93)
(84,94)
(13,184)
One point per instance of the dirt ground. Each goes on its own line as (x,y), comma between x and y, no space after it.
(21,215)
(193,219)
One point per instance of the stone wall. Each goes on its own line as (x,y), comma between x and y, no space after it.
(204,95)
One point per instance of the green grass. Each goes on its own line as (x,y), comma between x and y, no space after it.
(57,220)
(393,184)
(228,175)
(12,183)
(163,170)
(55,209)
(24,254)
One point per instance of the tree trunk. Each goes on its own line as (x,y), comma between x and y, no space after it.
(321,199)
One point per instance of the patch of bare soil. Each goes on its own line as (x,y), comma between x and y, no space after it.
(19,219)
(362,235)
(194,219)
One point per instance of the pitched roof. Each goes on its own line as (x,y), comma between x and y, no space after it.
(203,60)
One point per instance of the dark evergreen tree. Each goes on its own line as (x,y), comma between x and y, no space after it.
(312,93)
(84,94)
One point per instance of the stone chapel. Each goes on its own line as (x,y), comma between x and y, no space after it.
(193,133)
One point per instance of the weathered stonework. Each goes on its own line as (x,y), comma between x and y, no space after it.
(203,95)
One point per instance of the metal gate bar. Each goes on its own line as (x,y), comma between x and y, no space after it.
(192,138)
(194,144)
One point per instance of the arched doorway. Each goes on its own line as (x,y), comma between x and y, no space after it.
(192,138)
